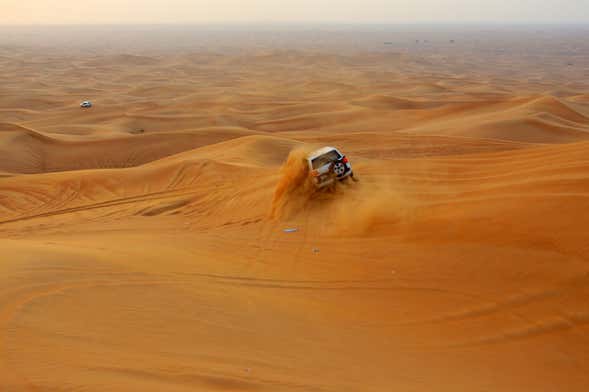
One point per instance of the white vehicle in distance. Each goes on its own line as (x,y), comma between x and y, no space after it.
(86,104)
(327,165)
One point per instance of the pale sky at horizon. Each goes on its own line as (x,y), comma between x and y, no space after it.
(297,11)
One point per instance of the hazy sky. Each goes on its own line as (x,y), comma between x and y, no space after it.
(359,11)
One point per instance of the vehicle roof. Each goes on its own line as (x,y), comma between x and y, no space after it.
(321,151)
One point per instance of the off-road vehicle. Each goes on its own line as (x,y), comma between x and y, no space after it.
(327,165)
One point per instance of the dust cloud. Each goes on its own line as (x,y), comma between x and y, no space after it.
(353,208)
(361,208)
(294,189)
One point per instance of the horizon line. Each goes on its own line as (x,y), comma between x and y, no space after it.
(312,23)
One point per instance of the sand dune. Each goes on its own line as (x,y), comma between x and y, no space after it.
(557,108)
(27,151)
(542,119)
(142,242)
(394,103)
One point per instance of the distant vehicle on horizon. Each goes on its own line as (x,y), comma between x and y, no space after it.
(86,104)
(327,165)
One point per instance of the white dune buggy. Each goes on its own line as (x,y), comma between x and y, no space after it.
(328,165)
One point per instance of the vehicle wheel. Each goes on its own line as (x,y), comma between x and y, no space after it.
(339,169)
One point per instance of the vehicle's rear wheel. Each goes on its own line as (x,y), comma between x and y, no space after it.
(339,169)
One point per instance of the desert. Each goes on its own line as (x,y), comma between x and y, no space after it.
(145,242)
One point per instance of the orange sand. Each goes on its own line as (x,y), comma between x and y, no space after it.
(139,250)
